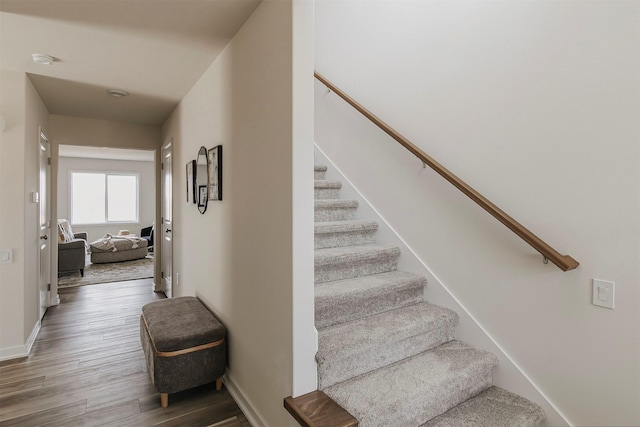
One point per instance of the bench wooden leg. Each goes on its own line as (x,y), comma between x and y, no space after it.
(164,400)
(219,384)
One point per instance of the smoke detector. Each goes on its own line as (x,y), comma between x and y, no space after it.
(41,59)
(117,93)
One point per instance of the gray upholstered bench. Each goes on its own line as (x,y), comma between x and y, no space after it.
(184,345)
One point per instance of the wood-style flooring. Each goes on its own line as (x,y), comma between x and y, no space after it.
(87,368)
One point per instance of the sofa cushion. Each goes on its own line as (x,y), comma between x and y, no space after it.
(74,244)
(115,244)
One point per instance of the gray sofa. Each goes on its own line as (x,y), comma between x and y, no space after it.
(72,255)
(124,251)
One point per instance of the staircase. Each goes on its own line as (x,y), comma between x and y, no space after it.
(385,355)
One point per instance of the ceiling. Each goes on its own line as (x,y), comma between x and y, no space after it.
(154,49)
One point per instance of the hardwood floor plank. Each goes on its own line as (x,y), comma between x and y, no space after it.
(20,373)
(205,416)
(21,385)
(68,331)
(95,374)
(83,355)
(11,362)
(180,404)
(120,391)
(87,368)
(90,389)
(129,331)
(123,357)
(229,422)
(105,416)
(52,414)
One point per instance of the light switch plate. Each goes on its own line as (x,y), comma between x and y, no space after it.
(6,256)
(603,293)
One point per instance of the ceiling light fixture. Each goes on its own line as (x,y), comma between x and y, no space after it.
(117,93)
(41,59)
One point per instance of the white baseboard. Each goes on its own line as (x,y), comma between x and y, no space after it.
(13,352)
(244,404)
(54,299)
(158,287)
(32,338)
(19,351)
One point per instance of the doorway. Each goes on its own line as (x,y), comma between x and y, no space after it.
(108,197)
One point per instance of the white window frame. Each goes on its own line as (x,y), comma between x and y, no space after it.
(106,196)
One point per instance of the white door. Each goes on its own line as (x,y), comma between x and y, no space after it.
(44,223)
(165,231)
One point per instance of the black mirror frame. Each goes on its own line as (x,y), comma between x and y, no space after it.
(202,190)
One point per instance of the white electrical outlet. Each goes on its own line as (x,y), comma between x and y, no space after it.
(603,293)
(177,279)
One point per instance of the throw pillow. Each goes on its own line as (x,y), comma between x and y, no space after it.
(64,231)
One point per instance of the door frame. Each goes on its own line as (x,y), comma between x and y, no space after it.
(167,149)
(44,196)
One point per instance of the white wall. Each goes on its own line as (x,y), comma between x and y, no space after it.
(305,340)
(238,256)
(36,116)
(69,130)
(147,194)
(23,111)
(12,198)
(535,104)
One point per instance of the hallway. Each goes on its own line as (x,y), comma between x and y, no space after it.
(87,368)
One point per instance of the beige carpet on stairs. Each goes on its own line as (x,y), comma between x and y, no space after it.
(109,272)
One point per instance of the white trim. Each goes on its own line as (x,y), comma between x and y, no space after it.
(438,282)
(32,338)
(21,350)
(54,299)
(13,352)
(247,409)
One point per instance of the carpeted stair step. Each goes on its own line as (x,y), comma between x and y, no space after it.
(346,300)
(493,407)
(319,172)
(354,261)
(335,210)
(354,348)
(417,389)
(323,189)
(344,233)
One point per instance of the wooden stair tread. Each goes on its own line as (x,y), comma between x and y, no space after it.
(316,409)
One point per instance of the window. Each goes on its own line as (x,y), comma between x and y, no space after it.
(103,197)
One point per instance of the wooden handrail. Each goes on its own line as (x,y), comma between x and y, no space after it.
(564,262)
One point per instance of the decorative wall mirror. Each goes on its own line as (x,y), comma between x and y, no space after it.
(202,180)
(215,173)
